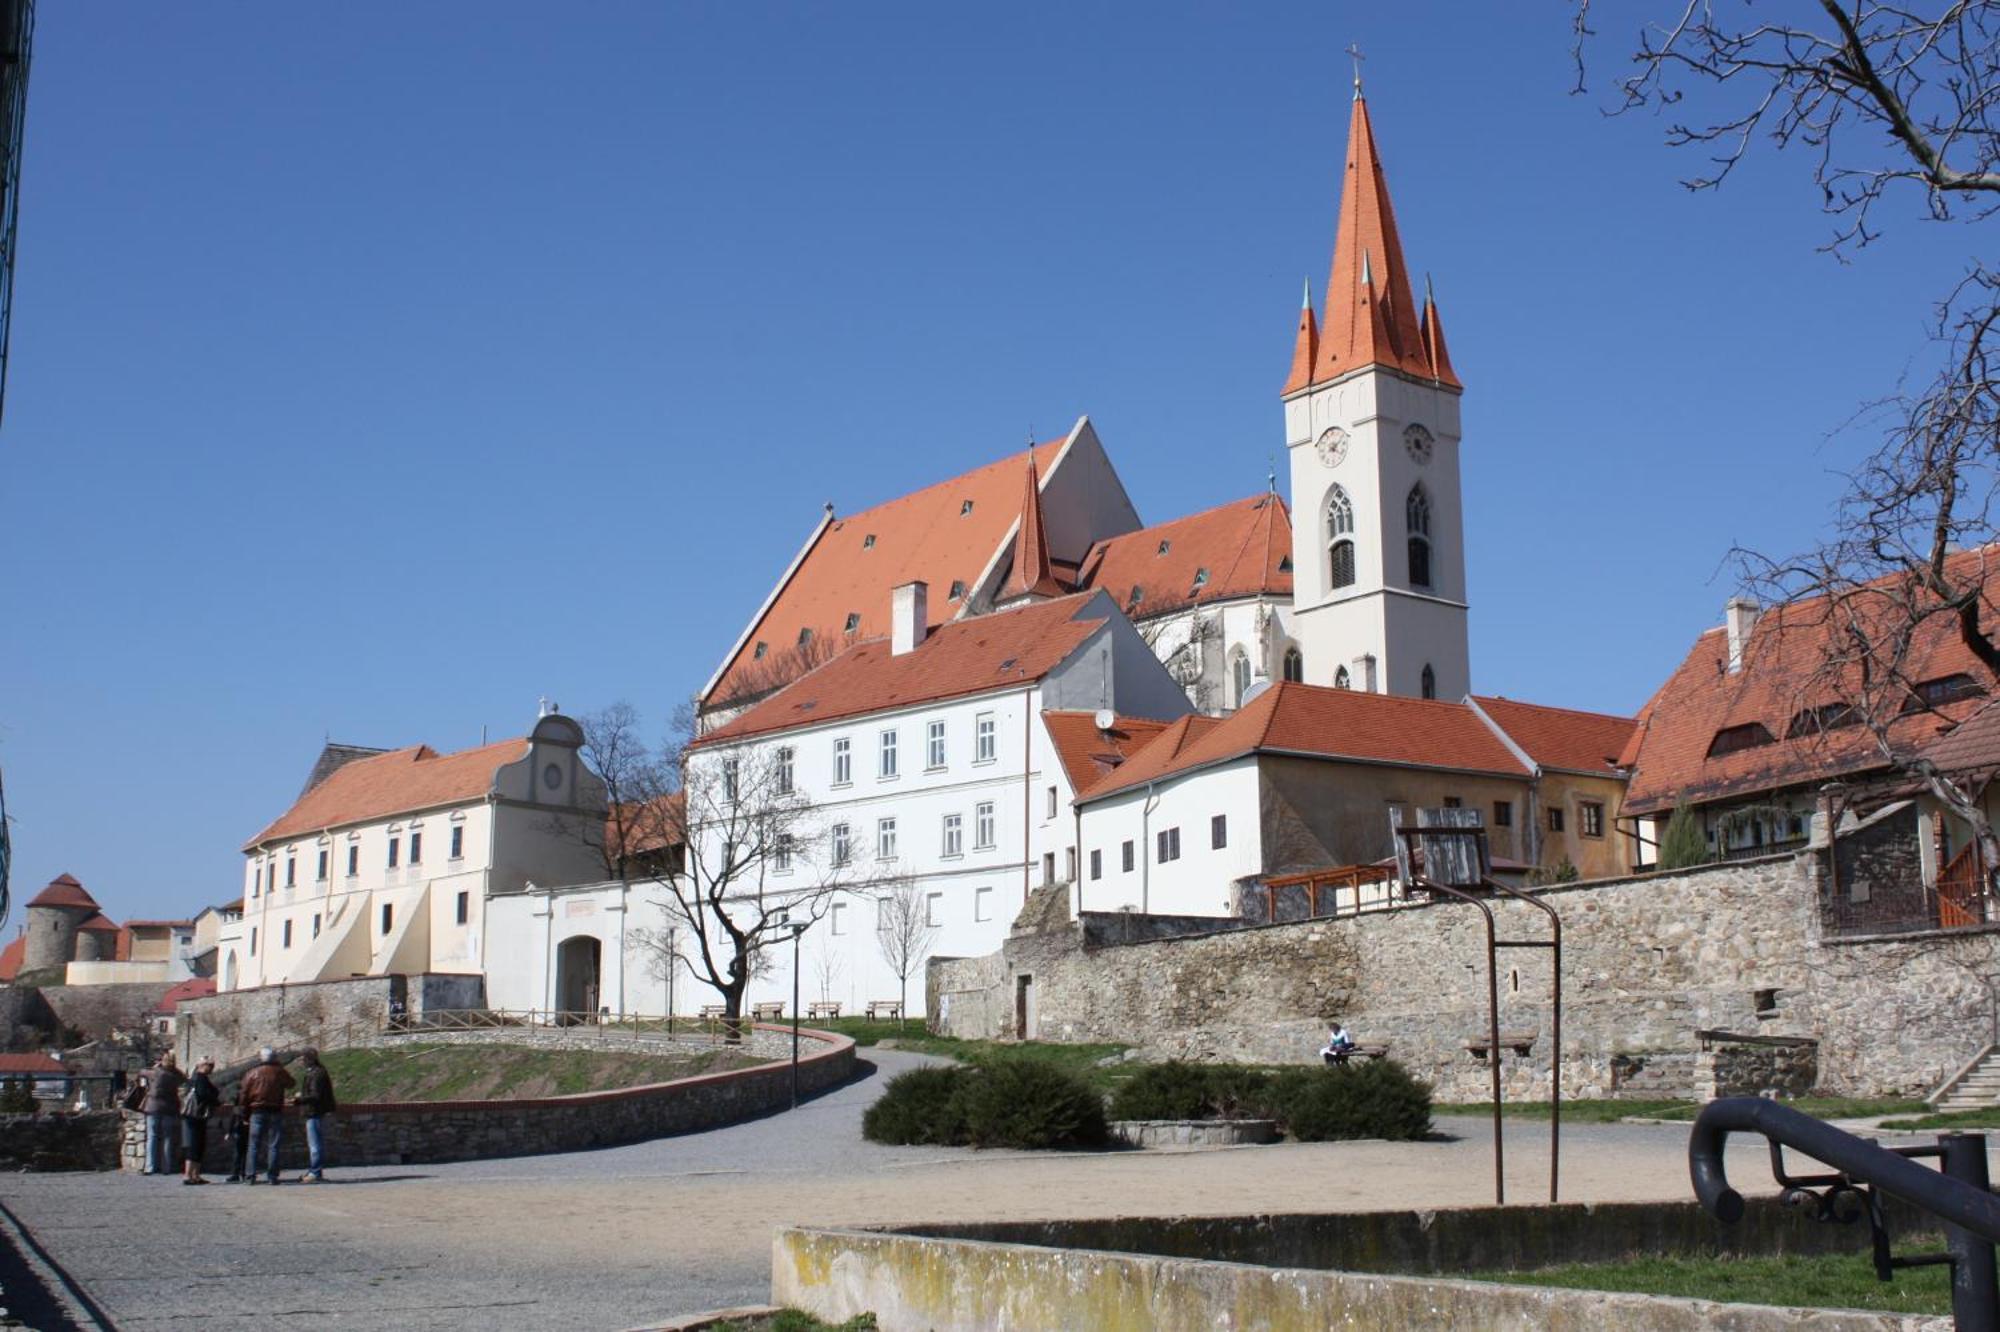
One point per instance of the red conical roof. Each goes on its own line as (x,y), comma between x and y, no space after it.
(99,924)
(1031,576)
(64,891)
(1305,349)
(1371,316)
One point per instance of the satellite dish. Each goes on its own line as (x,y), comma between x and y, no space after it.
(1105,719)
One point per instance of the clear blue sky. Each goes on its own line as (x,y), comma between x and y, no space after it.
(380,368)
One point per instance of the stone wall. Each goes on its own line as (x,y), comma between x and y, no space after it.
(1649,962)
(87,1141)
(96,1011)
(330,1014)
(408,1133)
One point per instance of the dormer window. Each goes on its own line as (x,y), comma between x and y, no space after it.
(1200,579)
(1165,546)
(957,588)
(1944,689)
(1138,595)
(1285,564)
(1825,717)
(1733,739)
(805,637)
(853,621)
(868,542)
(965,508)
(757,653)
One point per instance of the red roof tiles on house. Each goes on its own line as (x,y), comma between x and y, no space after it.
(193,988)
(64,891)
(18,1065)
(1240,549)
(1971,745)
(987,652)
(1088,753)
(1031,576)
(398,782)
(1585,742)
(1319,722)
(10,957)
(99,924)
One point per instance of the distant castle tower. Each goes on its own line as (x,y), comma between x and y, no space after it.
(54,917)
(1372,425)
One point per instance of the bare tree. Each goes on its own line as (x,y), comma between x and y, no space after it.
(827,966)
(904,932)
(658,949)
(1187,662)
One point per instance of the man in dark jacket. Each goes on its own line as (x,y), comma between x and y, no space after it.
(262,1098)
(315,1099)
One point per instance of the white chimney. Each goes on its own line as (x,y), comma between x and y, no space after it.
(1739,614)
(1364,673)
(909,612)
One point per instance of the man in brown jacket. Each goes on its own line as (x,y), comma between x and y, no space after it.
(262,1097)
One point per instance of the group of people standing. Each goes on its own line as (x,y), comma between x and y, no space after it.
(178,1107)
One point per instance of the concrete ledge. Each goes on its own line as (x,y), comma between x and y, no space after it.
(1194,1132)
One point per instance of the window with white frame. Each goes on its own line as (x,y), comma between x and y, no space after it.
(885,839)
(985,738)
(886,765)
(954,834)
(731,785)
(885,915)
(395,845)
(982,904)
(1051,803)
(843,760)
(783,853)
(1169,845)
(458,842)
(982,826)
(1097,864)
(1069,864)
(934,909)
(353,860)
(836,918)
(934,745)
(1218,832)
(416,848)
(784,769)
(291,870)
(1125,854)
(321,874)
(843,846)
(286,941)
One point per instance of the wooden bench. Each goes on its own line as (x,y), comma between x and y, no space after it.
(823,1008)
(710,1011)
(1520,1042)
(881,1009)
(769,1012)
(1365,1052)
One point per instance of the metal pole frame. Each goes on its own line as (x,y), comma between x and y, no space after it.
(797,930)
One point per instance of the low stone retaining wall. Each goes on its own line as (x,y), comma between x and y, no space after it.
(768,1042)
(1194,1132)
(408,1133)
(87,1141)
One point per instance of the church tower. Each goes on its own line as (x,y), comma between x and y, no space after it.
(1371,423)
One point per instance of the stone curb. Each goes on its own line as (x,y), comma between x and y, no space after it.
(714,1317)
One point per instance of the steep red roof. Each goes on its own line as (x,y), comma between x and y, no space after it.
(1371,316)
(1320,722)
(1240,549)
(1785,652)
(1031,576)
(193,988)
(1088,753)
(17,1064)
(100,924)
(1588,742)
(1009,647)
(400,781)
(1971,745)
(10,957)
(64,891)
(939,535)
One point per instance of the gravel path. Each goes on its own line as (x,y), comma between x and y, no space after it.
(630,1235)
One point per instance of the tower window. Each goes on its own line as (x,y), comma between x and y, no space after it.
(1239,677)
(1340,539)
(1417,517)
(1295,665)
(1430,682)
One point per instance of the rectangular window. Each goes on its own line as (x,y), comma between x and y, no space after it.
(1555,819)
(884,916)
(1169,845)
(836,919)
(730,783)
(353,860)
(291,871)
(784,853)
(885,839)
(1126,852)
(784,770)
(984,733)
(458,843)
(886,764)
(954,834)
(286,936)
(1097,864)
(416,848)
(934,745)
(1048,868)
(464,911)
(1218,832)
(1069,864)
(982,826)
(395,845)
(388,916)
(843,848)
(934,909)
(253,941)
(256,880)
(1503,813)
(1051,804)
(321,874)
(315,924)
(843,761)
(982,904)
(1592,815)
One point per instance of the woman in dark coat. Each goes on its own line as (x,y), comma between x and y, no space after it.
(198,1100)
(162,1109)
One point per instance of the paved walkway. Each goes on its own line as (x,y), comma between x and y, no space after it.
(622,1237)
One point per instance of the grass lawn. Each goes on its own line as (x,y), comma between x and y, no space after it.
(1082,1060)
(1828,1281)
(1988,1117)
(1610,1111)
(445,1072)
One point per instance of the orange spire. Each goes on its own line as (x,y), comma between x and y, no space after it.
(1031,576)
(1434,348)
(1371,317)
(1306,348)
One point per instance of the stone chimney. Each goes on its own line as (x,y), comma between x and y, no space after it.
(1364,674)
(909,612)
(1739,615)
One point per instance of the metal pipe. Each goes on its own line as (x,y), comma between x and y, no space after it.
(1493,1034)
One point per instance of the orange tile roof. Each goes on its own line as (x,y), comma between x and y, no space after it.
(29,1063)
(1031,575)
(1244,546)
(194,988)
(1088,753)
(1573,741)
(100,924)
(1970,745)
(1010,647)
(398,782)
(1371,316)
(11,955)
(1787,649)
(64,891)
(652,825)
(929,536)
(1320,722)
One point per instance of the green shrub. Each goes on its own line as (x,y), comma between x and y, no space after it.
(1173,1090)
(1236,1092)
(921,1107)
(1376,1098)
(1028,1104)
(16,1098)
(1683,843)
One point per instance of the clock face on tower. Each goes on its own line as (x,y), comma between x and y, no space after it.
(1419,442)
(1332,446)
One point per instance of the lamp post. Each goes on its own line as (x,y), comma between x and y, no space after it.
(673,962)
(797,928)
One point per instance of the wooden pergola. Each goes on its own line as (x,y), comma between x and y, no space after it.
(1351,877)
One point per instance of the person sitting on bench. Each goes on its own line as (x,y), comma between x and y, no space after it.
(1339,1045)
